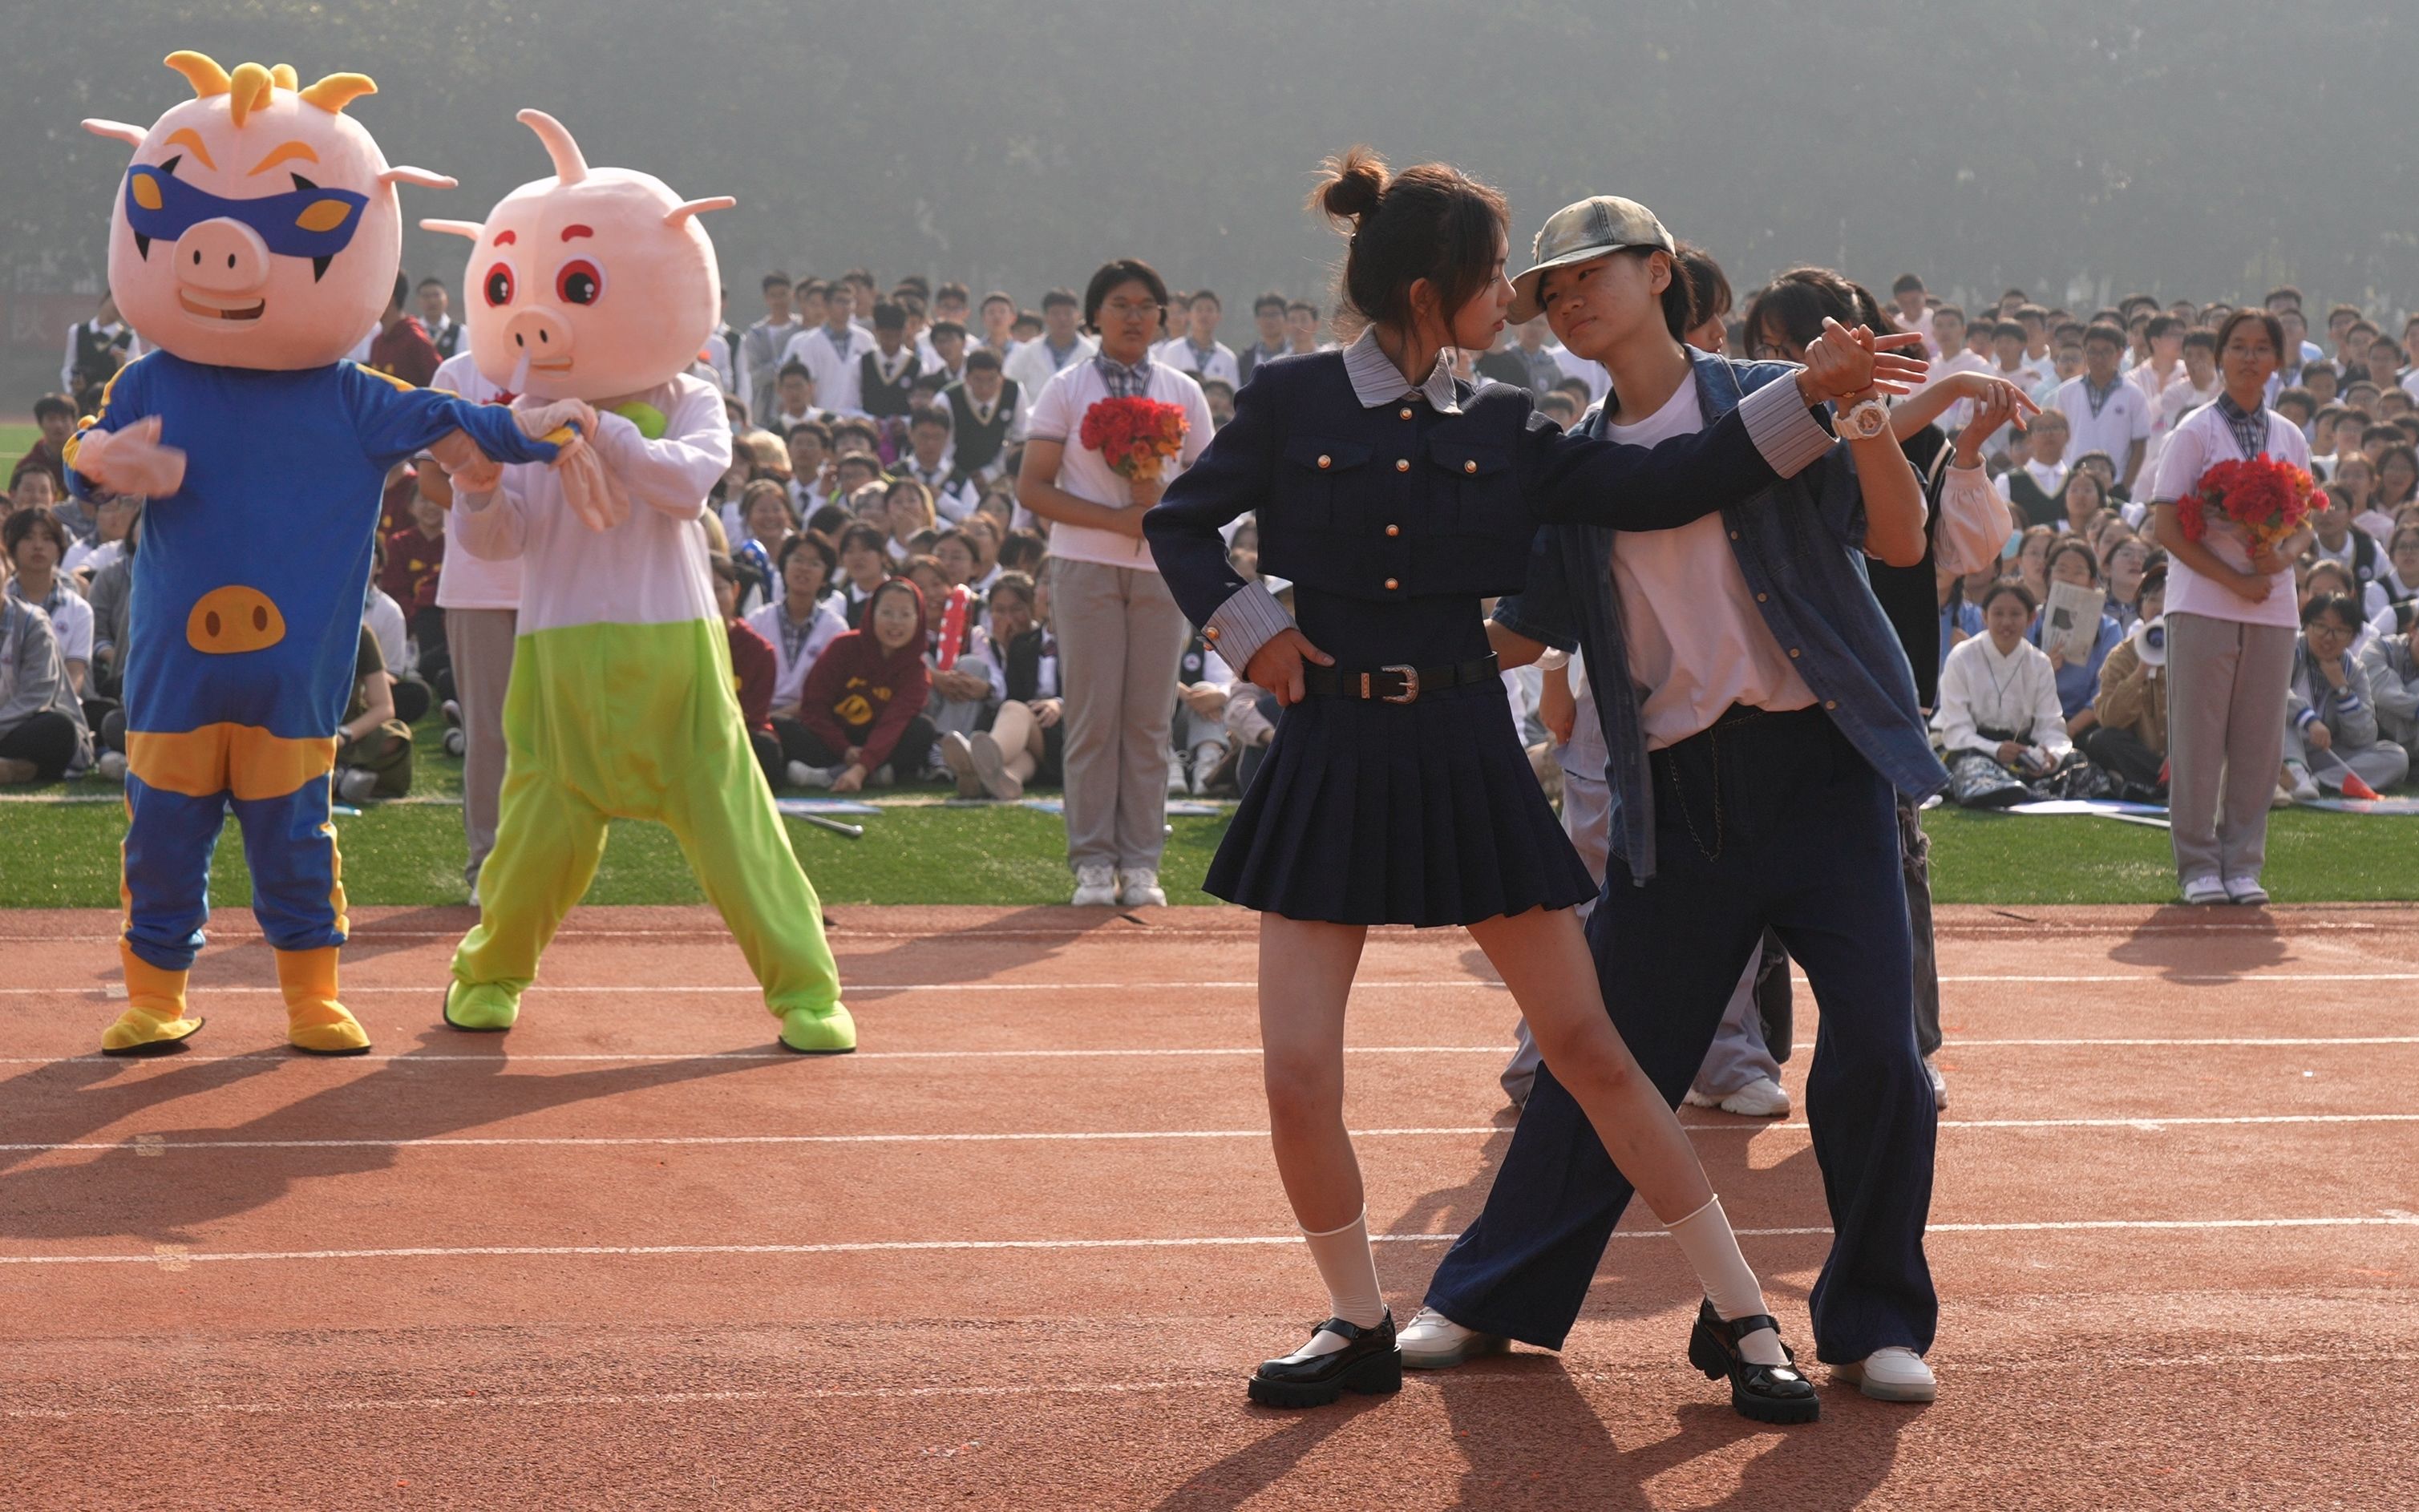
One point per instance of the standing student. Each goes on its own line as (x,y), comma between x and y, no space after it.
(1119,631)
(1397,790)
(1758,715)
(2230,629)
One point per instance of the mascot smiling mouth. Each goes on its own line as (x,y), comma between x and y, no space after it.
(210,309)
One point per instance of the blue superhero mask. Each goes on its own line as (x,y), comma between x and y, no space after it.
(311,223)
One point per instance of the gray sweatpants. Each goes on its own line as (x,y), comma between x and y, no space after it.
(481,641)
(1121,636)
(2225,740)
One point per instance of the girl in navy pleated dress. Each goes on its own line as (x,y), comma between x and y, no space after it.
(1396,790)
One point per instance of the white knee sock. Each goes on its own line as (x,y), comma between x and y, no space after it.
(1704,1237)
(1350,1271)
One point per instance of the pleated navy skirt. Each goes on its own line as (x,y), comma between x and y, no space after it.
(1422,813)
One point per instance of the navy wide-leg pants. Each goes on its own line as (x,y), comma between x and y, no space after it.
(1761,819)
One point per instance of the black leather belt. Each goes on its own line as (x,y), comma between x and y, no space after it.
(1397,684)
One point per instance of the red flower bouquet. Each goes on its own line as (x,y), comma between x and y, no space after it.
(1135,437)
(2263,498)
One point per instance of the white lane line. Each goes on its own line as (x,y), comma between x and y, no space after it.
(1183,1052)
(1453,983)
(1458,1381)
(151,1144)
(1206,1242)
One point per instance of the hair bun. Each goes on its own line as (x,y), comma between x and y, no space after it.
(1351,185)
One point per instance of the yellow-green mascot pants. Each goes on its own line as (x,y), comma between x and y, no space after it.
(639,721)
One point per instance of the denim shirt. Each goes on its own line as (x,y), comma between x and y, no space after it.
(1799,543)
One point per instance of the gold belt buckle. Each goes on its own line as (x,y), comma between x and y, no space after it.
(1410,693)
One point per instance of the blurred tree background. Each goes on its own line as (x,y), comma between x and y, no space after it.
(2081,149)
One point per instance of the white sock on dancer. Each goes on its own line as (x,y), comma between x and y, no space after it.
(1350,1271)
(1704,1237)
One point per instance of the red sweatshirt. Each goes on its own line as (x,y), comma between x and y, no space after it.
(859,694)
(752,669)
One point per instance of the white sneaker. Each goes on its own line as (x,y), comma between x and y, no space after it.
(2281,798)
(1891,1375)
(111,765)
(453,743)
(1762,1098)
(1432,1341)
(990,769)
(1939,1083)
(452,709)
(1096,887)
(1698,1099)
(2205,888)
(1206,759)
(959,757)
(2246,890)
(1140,888)
(803,776)
(354,785)
(884,775)
(2304,787)
(1178,785)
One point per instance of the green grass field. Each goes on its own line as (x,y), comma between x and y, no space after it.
(64,854)
(16,440)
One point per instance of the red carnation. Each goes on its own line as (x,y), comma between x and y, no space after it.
(2265,500)
(1135,437)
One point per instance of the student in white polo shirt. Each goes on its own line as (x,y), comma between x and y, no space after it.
(480,599)
(2104,412)
(1120,633)
(832,352)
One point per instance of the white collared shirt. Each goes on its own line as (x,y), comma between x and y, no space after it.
(832,363)
(1058,414)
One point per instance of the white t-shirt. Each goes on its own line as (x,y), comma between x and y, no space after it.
(1059,416)
(70,616)
(465,581)
(2124,418)
(384,618)
(2200,440)
(1176,352)
(1695,642)
(834,367)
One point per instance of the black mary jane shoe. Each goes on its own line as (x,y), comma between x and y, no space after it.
(1370,1362)
(1766,1393)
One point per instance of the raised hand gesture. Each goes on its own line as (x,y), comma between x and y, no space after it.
(132,461)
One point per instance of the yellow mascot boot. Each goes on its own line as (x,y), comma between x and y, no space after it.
(314,1021)
(154,1022)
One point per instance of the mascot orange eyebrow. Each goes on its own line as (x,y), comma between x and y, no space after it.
(254,242)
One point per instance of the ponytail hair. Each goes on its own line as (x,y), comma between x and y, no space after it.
(1432,222)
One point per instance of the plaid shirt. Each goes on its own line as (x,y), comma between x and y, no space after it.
(2250,426)
(1124,382)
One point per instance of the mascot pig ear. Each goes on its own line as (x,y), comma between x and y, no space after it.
(116,132)
(421,176)
(454,228)
(696,206)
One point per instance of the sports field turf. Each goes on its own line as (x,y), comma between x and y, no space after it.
(56,854)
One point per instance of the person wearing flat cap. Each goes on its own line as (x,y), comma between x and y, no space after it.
(1758,719)
(1395,790)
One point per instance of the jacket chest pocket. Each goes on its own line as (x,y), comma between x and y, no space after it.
(1475,488)
(1315,470)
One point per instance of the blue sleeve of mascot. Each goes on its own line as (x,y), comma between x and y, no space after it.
(122,402)
(395,420)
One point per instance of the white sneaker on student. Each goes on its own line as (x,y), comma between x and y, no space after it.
(111,765)
(1096,887)
(2246,890)
(1939,1083)
(453,743)
(1891,1375)
(453,712)
(1177,782)
(957,755)
(803,776)
(990,769)
(2304,786)
(1432,1341)
(1140,888)
(1762,1098)
(1698,1099)
(2205,888)
(1206,758)
(354,785)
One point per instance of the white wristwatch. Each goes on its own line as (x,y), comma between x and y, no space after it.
(1865,421)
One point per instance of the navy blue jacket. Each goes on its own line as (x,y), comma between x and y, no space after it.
(1800,545)
(1395,502)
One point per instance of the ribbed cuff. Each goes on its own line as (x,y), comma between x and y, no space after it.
(1782,428)
(1249,619)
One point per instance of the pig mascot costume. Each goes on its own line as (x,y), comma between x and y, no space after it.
(255,241)
(597,286)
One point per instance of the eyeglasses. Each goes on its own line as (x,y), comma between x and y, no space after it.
(1129,310)
(1764,351)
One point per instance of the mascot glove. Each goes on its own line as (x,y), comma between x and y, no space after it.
(541,420)
(132,461)
(471,469)
(589,489)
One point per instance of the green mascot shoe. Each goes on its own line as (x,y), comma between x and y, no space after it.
(482,1007)
(826,1031)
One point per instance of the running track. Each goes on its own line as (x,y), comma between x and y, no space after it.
(1021,1250)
